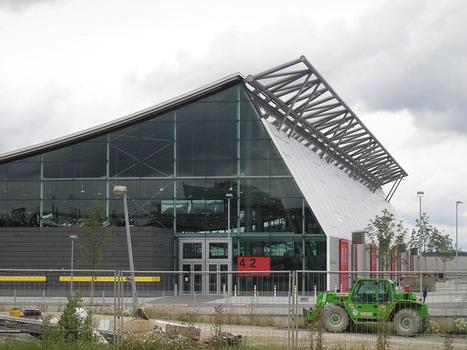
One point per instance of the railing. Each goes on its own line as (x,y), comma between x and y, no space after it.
(266,307)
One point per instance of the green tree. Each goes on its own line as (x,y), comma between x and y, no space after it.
(421,235)
(388,235)
(72,327)
(426,238)
(95,238)
(441,246)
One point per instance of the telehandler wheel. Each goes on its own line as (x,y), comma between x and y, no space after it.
(407,322)
(334,318)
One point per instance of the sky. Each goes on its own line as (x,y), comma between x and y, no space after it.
(66,65)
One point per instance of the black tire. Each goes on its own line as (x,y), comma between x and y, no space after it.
(407,322)
(334,318)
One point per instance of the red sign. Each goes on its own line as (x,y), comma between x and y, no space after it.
(253,263)
(344,265)
(373,260)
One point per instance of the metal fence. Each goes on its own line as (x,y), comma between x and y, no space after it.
(263,307)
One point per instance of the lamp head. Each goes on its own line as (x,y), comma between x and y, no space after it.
(229,195)
(420,193)
(73,237)
(119,190)
(459,202)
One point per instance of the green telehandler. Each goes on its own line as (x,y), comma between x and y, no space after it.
(371,300)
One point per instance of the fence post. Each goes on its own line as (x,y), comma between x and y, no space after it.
(421,286)
(289,311)
(115,311)
(275,291)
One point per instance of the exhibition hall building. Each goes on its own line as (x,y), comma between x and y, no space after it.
(272,166)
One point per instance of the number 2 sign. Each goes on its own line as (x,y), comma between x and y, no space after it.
(253,263)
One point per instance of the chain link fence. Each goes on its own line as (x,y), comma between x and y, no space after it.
(270,307)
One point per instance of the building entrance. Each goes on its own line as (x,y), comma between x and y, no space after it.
(204,262)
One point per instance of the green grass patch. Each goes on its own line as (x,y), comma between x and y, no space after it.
(175,313)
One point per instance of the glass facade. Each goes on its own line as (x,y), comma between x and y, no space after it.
(178,167)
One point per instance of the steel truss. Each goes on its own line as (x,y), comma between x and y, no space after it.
(298,101)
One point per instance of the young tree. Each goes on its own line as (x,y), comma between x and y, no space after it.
(388,235)
(441,246)
(94,240)
(421,235)
(428,239)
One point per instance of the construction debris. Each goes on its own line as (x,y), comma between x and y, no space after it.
(192,333)
(225,339)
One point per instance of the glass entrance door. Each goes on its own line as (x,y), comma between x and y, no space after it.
(218,278)
(204,263)
(192,278)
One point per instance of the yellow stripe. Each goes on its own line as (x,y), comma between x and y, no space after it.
(23,278)
(147,279)
(107,278)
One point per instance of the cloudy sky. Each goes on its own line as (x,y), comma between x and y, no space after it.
(66,65)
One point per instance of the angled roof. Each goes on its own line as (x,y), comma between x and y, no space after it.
(298,101)
(124,121)
(340,204)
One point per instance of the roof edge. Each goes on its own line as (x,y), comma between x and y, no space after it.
(122,121)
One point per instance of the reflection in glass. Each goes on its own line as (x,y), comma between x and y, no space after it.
(23,213)
(62,212)
(89,159)
(24,171)
(192,250)
(23,190)
(152,212)
(218,251)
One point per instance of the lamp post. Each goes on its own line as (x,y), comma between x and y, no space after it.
(229,196)
(73,238)
(122,190)
(457,229)
(420,195)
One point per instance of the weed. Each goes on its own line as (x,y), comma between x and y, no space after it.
(382,342)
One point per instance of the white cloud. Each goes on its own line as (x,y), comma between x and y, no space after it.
(69,65)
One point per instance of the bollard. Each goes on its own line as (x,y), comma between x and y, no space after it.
(223,290)
(275,291)
(175,289)
(254,291)
(14,297)
(43,298)
(103,296)
(314,290)
(235,290)
(340,287)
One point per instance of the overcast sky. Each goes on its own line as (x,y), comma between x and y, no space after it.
(66,65)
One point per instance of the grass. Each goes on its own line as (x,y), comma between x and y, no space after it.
(195,316)
(33,345)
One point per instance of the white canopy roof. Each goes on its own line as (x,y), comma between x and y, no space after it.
(340,203)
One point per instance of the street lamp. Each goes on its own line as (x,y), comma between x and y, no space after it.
(73,239)
(229,197)
(457,229)
(420,195)
(122,190)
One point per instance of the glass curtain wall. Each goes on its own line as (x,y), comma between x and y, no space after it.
(178,168)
